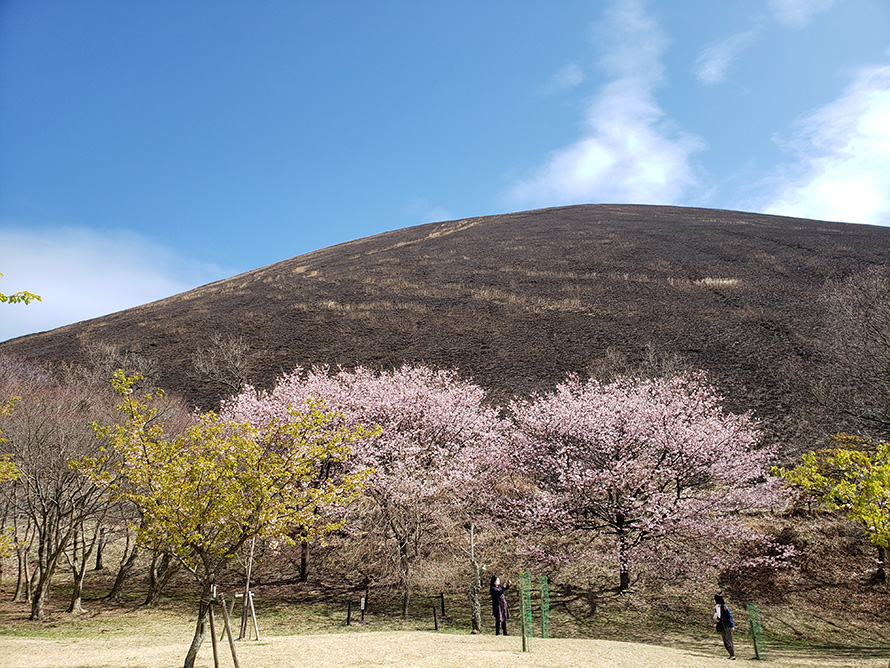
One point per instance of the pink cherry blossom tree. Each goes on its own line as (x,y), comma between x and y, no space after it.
(435,456)
(646,464)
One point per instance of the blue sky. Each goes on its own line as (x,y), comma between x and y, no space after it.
(150,147)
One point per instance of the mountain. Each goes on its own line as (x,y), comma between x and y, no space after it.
(517,301)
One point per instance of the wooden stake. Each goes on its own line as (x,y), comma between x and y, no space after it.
(243,631)
(231,611)
(229,633)
(213,638)
(256,627)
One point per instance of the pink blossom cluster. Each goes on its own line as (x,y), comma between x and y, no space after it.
(431,460)
(436,433)
(641,461)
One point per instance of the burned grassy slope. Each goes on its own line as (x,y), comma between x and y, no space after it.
(517,301)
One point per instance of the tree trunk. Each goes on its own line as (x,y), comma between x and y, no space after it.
(122,573)
(304,561)
(163,568)
(881,574)
(76,605)
(46,565)
(405,565)
(38,595)
(23,583)
(81,551)
(623,557)
(475,585)
(246,602)
(78,572)
(624,580)
(202,627)
(100,548)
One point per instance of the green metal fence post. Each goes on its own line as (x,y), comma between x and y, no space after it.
(756,632)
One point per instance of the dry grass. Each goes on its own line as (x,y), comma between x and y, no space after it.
(309,629)
(389,648)
(706,282)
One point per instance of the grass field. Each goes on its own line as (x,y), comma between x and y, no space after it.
(422,649)
(314,634)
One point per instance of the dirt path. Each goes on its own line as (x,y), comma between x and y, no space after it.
(376,650)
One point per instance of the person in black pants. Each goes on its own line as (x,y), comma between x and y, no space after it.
(723,617)
(499,604)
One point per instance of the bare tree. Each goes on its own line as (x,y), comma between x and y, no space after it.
(129,555)
(84,540)
(23,538)
(855,379)
(164,566)
(650,363)
(226,361)
(49,428)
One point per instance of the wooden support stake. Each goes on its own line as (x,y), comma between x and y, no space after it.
(231,611)
(256,627)
(348,613)
(442,602)
(244,603)
(229,633)
(213,638)
(524,638)
(435,618)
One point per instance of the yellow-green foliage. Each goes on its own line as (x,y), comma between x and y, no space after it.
(855,479)
(19,297)
(205,492)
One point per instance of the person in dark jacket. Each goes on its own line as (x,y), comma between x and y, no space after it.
(723,617)
(499,604)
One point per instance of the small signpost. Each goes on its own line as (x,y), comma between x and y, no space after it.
(756,632)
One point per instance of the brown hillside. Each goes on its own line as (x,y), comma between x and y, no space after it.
(517,301)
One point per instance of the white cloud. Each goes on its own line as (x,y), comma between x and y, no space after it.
(842,170)
(82,274)
(566,78)
(629,152)
(715,60)
(798,13)
(421,211)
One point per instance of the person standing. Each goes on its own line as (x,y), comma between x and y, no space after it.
(499,604)
(725,625)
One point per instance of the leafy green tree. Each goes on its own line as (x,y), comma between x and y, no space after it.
(853,478)
(23,297)
(206,492)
